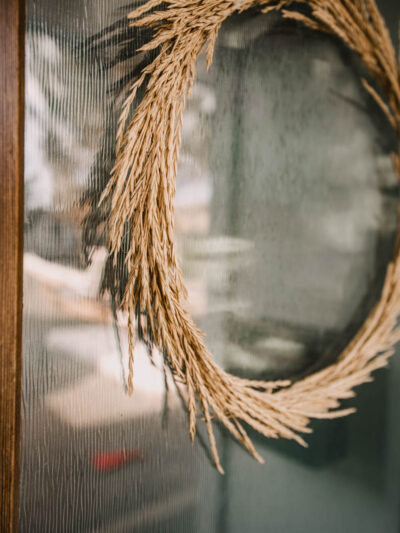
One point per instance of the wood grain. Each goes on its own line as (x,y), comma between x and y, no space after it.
(12,31)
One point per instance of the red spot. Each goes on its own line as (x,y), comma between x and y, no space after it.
(106,461)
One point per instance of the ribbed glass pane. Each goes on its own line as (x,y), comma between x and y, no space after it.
(286,215)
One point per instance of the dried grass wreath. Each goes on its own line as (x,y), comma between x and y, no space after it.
(141,194)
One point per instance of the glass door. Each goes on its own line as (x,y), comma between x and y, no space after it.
(286,216)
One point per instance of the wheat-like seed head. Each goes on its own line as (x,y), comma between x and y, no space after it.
(142,189)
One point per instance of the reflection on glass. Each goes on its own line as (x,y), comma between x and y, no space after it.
(285,223)
(292,216)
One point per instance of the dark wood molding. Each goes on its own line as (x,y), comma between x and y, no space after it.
(12,42)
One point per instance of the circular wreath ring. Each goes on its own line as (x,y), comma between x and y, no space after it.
(141,193)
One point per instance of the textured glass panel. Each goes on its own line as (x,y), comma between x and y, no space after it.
(286,212)
(302,202)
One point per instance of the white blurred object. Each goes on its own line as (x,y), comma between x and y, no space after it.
(101,397)
(60,142)
(84,283)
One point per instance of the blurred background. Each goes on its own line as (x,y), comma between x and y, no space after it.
(286,216)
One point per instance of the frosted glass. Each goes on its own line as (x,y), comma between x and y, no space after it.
(286,213)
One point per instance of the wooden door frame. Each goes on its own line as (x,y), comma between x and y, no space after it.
(12,101)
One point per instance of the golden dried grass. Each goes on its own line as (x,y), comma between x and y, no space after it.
(141,193)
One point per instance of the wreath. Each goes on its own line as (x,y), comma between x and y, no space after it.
(140,195)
